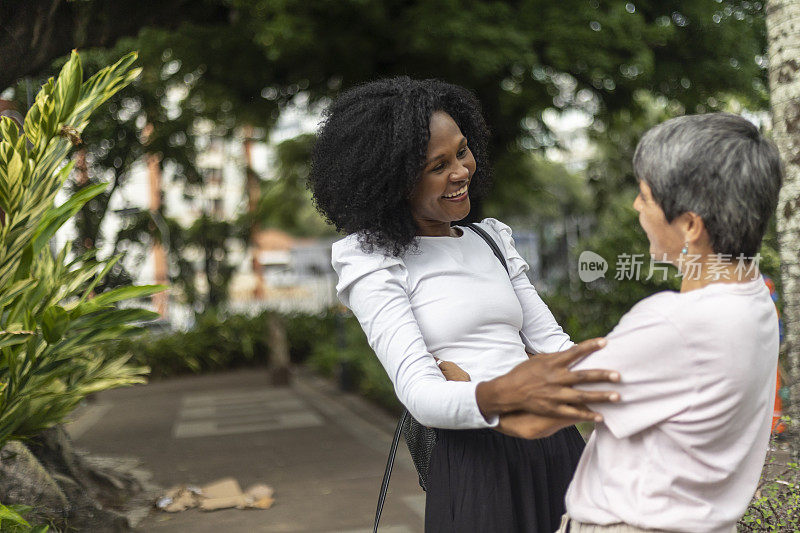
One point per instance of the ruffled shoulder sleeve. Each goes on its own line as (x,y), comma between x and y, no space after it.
(502,235)
(352,265)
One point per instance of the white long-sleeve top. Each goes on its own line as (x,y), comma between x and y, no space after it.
(451,298)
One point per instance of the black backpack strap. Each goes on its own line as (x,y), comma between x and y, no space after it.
(388,473)
(493,245)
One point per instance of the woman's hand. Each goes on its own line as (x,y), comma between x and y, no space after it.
(542,386)
(529,426)
(451,371)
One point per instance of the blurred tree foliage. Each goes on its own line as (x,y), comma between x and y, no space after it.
(285,201)
(519,57)
(37,31)
(625,64)
(212,237)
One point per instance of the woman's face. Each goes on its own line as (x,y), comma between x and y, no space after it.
(666,240)
(442,196)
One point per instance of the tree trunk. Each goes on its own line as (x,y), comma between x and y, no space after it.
(783,35)
(160,299)
(279,351)
(253,193)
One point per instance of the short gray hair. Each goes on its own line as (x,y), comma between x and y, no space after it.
(719,166)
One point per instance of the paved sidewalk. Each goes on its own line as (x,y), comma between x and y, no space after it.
(322,451)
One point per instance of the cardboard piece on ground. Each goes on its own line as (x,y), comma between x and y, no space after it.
(259,496)
(212,504)
(222,488)
(221,494)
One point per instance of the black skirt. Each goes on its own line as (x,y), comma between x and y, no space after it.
(484,481)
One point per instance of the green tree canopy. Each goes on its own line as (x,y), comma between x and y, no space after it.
(241,62)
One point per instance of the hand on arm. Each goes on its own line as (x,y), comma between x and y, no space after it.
(518,424)
(542,386)
(551,395)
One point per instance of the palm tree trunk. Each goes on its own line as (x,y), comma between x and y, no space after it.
(783,35)
(159,254)
(253,193)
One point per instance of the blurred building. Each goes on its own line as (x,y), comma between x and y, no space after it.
(293,274)
(272,268)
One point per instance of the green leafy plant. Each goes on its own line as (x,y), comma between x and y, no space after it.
(50,320)
(12,520)
(776,504)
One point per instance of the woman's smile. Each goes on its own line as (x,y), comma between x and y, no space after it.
(458,196)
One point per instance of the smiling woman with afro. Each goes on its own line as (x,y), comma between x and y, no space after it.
(370,151)
(396,164)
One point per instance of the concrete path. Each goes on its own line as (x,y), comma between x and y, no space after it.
(323,451)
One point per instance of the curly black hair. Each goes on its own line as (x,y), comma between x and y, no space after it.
(371,149)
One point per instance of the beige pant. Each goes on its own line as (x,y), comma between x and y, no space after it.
(580,527)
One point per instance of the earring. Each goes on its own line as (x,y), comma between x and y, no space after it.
(685,249)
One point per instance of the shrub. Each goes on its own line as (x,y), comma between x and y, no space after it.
(776,504)
(331,343)
(50,325)
(216,342)
(305,331)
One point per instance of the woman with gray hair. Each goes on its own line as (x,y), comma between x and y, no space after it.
(684,447)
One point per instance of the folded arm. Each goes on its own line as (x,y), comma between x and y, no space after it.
(543,385)
(373,288)
(542,401)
